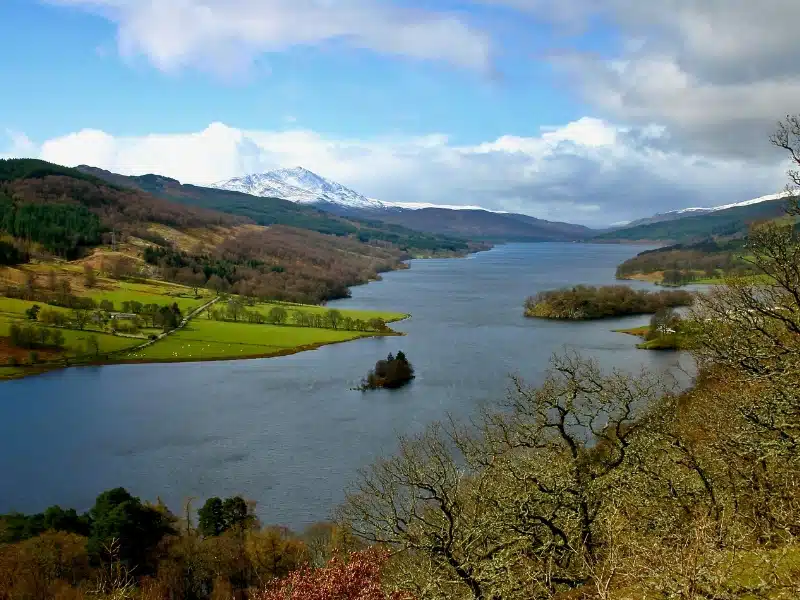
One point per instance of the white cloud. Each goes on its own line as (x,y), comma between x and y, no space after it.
(226,36)
(717,73)
(588,171)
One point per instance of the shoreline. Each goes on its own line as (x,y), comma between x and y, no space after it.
(45,368)
(25,371)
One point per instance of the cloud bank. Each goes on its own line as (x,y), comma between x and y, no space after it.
(717,73)
(588,171)
(226,36)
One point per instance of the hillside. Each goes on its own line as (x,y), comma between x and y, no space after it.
(484,225)
(49,212)
(277,211)
(729,222)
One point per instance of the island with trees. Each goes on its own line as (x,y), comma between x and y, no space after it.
(392,372)
(585,302)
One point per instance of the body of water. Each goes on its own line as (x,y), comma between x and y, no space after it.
(288,432)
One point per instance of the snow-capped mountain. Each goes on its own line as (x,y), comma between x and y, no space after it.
(299,185)
(305,187)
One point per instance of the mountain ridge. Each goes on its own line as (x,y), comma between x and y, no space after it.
(722,222)
(278,211)
(673,215)
(305,187)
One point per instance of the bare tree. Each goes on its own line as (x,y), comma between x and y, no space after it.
(514,508)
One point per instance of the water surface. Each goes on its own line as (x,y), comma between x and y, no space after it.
(288,432)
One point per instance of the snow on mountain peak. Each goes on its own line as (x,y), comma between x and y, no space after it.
(300,185)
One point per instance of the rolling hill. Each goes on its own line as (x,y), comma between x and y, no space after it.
(485,225)
(725,222)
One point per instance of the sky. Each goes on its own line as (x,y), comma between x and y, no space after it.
(587,111)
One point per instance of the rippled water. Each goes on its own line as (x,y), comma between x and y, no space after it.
(288,432)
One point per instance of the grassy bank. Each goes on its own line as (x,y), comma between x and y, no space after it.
(200,339)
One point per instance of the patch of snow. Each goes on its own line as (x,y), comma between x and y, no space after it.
(694,209)
(777,196)
(419,205)
(298,185)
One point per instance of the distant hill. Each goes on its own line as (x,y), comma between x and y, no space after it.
(485,225)
(689,227)
(277,211)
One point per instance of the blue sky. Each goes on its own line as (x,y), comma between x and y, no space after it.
(578,110)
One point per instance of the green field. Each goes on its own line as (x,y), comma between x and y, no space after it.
(202,339)
(152,293)
(13,308)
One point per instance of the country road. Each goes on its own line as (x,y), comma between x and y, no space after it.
(182,324)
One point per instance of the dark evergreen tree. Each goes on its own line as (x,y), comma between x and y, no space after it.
(119,516)
(211,519)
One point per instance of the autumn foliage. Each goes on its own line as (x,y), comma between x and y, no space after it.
(356,578)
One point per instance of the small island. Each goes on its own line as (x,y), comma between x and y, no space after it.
(393,372)
(584,302)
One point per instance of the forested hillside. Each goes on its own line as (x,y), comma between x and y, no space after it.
(52,212)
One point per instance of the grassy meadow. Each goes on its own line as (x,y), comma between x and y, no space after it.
(201,339)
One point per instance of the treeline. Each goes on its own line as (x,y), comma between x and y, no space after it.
(30,168)
(684,263)
(126,548)
(85,310)
(61,229)
(238,309)
(590,302)
(31,337)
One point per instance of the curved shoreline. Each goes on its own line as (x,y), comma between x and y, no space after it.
(44,368)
